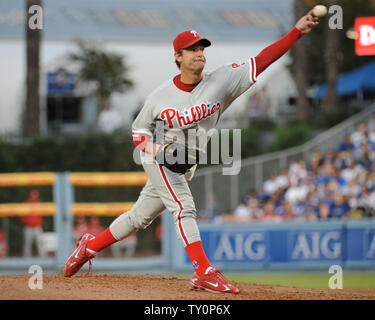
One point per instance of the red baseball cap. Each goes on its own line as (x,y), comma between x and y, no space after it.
(188,38)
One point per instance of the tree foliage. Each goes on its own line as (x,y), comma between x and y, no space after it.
(107,70)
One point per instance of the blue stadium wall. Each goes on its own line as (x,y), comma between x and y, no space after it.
(286,246)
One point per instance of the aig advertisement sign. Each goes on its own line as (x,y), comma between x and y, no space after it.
(238,246)
(288,245)
(365,36)
(315,245)
(361,244)
(273,246)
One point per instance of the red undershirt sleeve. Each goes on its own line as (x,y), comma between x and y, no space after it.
(141,141)
(273,52)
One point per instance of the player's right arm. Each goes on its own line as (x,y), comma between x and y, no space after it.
(276,50)
(237,78)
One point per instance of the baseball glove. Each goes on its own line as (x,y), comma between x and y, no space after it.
(177,157)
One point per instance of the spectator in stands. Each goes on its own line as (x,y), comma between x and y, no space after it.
(365,161)
(310,181)
(332,187)
(359,137)
(316,162)
(341,183)
(109,120)
(253,197)
(277,197)
(339,208)
(367,202)
(159,232)
(79,228)
(328,196)
(329,157)
(335,185)
(262,196)
(269,214)
(371,151)
(242,213)
(32,228)
(254,110)
(371,138)
(370,178)
(94,226)
(287,213)
(255,211)
(297,171)
(323,211)
(354,189)
(325,173)
(310,214)
(299,208)
(313,198)
(303,172)
(346,145)
(211,211)
(342,160)
(282,180)
(293,170)
(351,172)
(253,206)
(3,244)
(297,192)
(271,185)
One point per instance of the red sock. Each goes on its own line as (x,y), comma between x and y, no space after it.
(101,241)
(198,257)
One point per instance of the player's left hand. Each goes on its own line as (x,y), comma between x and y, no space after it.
(307,23)
(169,153)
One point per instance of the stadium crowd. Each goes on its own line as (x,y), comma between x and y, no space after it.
(337,184)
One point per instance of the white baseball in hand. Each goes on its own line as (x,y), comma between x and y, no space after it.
(319,11)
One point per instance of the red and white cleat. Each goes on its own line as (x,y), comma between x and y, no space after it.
(213,281)
(79,257)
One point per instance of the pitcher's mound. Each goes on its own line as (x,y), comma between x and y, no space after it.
(155,287)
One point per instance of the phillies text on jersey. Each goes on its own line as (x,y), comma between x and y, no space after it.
(183,119)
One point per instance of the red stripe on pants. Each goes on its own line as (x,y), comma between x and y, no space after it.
(178,202)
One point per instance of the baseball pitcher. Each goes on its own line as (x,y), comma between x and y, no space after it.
(192,100)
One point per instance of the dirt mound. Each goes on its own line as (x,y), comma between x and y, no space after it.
(155,287)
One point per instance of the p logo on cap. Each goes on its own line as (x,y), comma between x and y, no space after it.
(194,33)
(187,39)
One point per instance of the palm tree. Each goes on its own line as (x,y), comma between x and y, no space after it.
(107,70)
(31,125)
(300,62)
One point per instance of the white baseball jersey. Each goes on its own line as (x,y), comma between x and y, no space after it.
(199,109)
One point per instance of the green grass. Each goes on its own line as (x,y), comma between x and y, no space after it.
(307,280)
